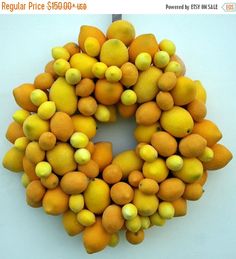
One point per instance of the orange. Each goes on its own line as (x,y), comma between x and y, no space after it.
(221,158)
(171,189)
(108,93)
(55,201)
(180,206)
(90,31)
(112,174)
(85,87)
(91,169)
(134,178)
(121,193)
(14,131)
(143,43)
(102,154)
(164,143)
(112,219)
(129,74)
(135,238)
(95,237)
(127,111)
(74,182)
(22,97)
(72,48)
(43,81)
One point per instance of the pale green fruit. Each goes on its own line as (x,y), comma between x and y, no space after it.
(60,66)
(113,74)
(207,155)
(102,113)
(174,162)
(134,224)
(38,97)
(21,143)
(161,59)
(99,69)
(174,67)
(143,61)
(92,46)
(82,156)
(114,241)
(20,116)
(86,218)
(76,202)
(25,180)
(148,153)
(60,52)
(79,140)
(166,210)
(43,169)
(157,220)
(128,97)
(145,222)
(46,110)
(168,46)
(129,211)
(73,76)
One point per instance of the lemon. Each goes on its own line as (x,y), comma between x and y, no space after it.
(19,116)
(128,97)
(157,220)
(207,155)
(76,202)
(113,74)
(73,76)
(43,169)
(21,143)
(145,222)
(114,240)
(82,156)
(177,121)
(60,66)
(156,170)
(148,153)
(86,218)
(60,52)
(99,69)
(191,170)
(168,46)
(83,63)
(92,46)
(114,53)
(38,97)
(46,110)
(161,59)
(134,224)
(143,61)
(79,140)
(166,210)
(174,162)
(175,67)
(102,113)
(25,180)
(129,211)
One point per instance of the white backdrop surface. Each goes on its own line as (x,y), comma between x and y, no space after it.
(207,45)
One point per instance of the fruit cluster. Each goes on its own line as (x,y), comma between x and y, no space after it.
(96,193)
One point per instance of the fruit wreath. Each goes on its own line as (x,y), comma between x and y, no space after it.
(67,174)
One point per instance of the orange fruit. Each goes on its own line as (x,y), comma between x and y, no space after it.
(43,81)
(112,174)
(121,193)
(90,31)
(14,131)
(108,93)
(143,43)
(134,178)
(74,182)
